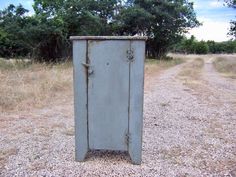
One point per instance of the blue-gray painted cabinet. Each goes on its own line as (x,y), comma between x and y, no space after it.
(108,94)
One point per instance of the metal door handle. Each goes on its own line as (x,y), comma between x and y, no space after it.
(86,65)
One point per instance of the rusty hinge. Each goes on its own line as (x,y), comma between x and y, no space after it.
(127,138)
(130,55)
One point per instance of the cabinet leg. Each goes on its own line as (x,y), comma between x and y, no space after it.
(80,154)
(135,157)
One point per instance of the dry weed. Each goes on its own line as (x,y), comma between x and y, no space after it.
(154,67)
(69,131)
(191,72)
(226,66)
(26,85)
(33,85)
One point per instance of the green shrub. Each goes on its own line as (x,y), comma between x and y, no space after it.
(201,48)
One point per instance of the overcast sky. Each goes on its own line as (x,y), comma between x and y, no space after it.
(214,16)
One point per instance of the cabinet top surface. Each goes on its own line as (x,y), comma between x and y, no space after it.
(108,38)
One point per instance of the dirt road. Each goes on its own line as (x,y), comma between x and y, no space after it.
(187,132)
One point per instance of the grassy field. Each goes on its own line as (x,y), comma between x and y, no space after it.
(226,66)
(26,85)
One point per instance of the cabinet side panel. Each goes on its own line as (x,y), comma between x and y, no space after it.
(136,101)
(80,99)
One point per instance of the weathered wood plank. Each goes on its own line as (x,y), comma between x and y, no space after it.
(108,94)
(136,101)
(80,99)
(108,38)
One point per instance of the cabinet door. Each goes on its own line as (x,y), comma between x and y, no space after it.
(108,94)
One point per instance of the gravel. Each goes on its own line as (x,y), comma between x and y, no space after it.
(184,135)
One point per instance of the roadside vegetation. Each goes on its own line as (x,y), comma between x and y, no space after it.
(26,85)
(154,67)
(193,46)
(226,66)
(158,65)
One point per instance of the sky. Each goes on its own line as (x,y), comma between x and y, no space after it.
(215,19)
(213,15)
(26,4)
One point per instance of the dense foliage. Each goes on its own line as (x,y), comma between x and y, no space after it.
(162,21)
(12,32)
(45,35)
(192,46)
(232,30)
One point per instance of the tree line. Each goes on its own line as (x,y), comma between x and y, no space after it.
(45,34)
(192,46)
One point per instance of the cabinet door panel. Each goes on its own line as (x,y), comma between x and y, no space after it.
(108,94)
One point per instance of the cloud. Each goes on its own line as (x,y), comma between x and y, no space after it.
(211,30)
(216,4)
(207,4)
(215,18)
(30,2)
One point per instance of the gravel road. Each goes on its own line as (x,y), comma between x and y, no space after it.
(222,87)
(187,132)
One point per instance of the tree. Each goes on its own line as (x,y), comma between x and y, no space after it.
(232,30)
(212,46)
(83,17)
(190,45)
(45,35)
(201,48)
(63,18)
(231,3)
(12,22)
(162,21)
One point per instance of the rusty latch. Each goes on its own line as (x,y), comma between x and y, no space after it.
(88,66)
(127,138)
(130,55)
(85,65)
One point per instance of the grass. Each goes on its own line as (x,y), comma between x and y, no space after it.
(154,67)
(164,63)
(69,131)
(26,85)
(191,72)
(226,66)
(13,64)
